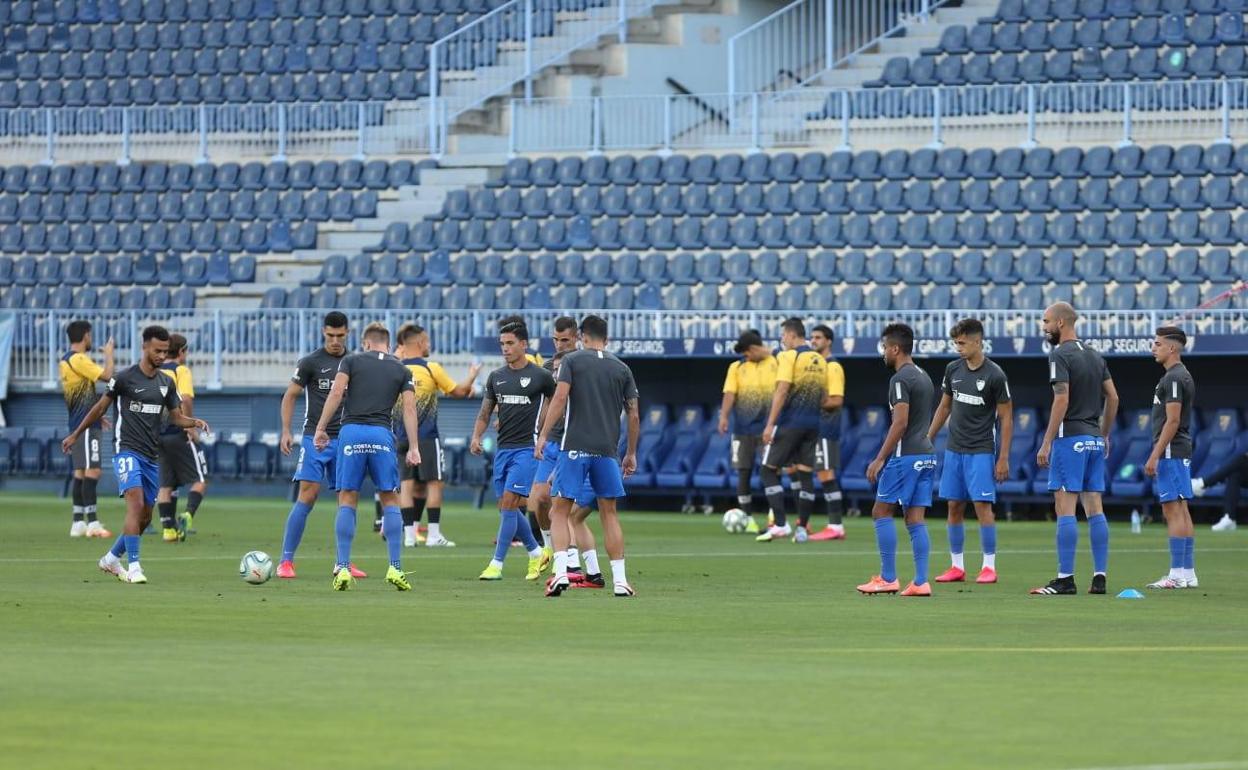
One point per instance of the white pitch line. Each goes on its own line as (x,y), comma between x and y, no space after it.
(762,553)
(1231,765)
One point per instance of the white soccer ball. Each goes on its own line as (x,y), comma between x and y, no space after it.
(735,520)
(256,568)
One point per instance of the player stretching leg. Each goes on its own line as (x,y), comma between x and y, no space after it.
(422,484)
(313,377)
(143,394)
(366,446)
(594,387)
(904,466)
(519,390)
(828,450)
(181,460)
(79,373)
(748,390)
(1170,463)
(1075,446)
(792,428)
(975,394)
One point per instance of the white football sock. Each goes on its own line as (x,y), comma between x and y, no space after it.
(617,572)
(561,566)
(547,540)
(434,531)
(496,563)
(535,553)
(958,561)
(574,558)
(990,561)
(591,562)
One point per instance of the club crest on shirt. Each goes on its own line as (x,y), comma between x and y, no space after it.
(164,390)
(524,381)
(979,384)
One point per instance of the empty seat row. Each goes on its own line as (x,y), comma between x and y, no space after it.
(48,12)
(893,197)
(255,237)
(90,298)
(146,269)
(973,230)
(219,206)
(1078,10)
(971,267)
(872,165)
(1070,35)
(326,175)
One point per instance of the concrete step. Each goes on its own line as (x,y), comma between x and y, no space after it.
(964,15)
(404,211)
(349,242)
(910,45)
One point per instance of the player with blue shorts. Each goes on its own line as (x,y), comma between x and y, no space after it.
(975,395)
(594,388)
(143,395)
(1170,463)
(1074,448)
(904,468)
(313,377)
(519,391)
(366,446)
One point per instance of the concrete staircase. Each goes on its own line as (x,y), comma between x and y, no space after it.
(408,204)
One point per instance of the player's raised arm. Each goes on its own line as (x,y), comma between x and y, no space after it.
(110,363)
(332,403)
(464,389)
(293,391)
(483,419)
(97,411)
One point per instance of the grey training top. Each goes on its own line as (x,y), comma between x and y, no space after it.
(975,394)
(377,380)
(1085,370)
(315,374)
(911,385)
(601,385)
(520,395)
(141,404)
(552,366)
(1176,386)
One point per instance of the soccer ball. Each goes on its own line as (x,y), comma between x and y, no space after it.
(256,568)
(735,520)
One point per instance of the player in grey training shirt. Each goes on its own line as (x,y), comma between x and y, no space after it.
(1075,445)
(366,445)
(595,387)
(520,391)
(313,377)
(143,394)
(975,395)
(904,466)
(1170,463)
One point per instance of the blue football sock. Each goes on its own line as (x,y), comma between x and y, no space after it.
(921,547)
(132,548)
(344,531)
(1067,542)
(525,533)
(296,521)
(957,538)
(988,538)
(1178,545)
(508,522)
(1189,553)
(1098,533)
(119,546)
(392,526)
(886,540)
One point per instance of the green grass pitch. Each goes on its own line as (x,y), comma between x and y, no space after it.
(733,655)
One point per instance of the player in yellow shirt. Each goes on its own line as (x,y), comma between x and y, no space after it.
(421,488)
(182,461)
(828,450)
(792,429)
(79,374)
(748,388)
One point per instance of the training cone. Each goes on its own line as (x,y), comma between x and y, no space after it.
(1130,593)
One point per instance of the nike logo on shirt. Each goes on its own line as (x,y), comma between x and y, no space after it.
(955,382)
(139,390)
(326,370)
